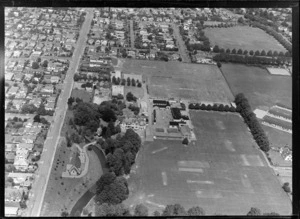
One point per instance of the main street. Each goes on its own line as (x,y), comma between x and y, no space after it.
(40,185)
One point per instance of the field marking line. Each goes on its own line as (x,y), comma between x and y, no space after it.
(200,182)
(245,161)
(153,203)
(159,150)
(164,178)
(198,170)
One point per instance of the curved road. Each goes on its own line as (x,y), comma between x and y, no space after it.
(39,187)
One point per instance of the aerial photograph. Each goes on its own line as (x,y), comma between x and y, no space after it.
(148,111)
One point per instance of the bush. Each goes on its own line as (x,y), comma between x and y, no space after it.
(185,141)
(286,187)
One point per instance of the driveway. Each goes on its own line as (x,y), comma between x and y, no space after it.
(50,145)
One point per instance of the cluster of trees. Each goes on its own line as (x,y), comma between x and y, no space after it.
(130,97)
(141,210)
(134,109)
(245,59)
(215,107)
(111,189)
(110,130)
(37,118)
(121,152)
(31,108)
(84,77)
(257,212)
(243,107)
(221,25)
(270,53)
(128,82)
(270,28)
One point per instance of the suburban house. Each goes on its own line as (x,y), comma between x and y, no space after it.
(13,195)
(11,211)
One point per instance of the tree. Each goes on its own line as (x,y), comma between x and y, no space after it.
(37,118)
(35,65)
(75,138)
(270,53)
(240,52)
(133,82)
(251,52)
(45,64)
(108,115)
(141,210)
(28,109)
(271,214)
(196,211)
(128,81)
(254,212)
(111,189)
(233,51)
(275,53)
(263,53)
(286,187)
(228,51)
(111,210)
(130,97)
(216,49)
(245,52)
(219,64)
(156,213)
(64,214)
(185,141)
(174,210)
(70,101)
(257,53)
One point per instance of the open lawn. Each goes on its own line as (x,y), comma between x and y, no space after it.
(262,89)
(223,171)
(186,81)
(243,37)
(82,94)
(63,193)
(277,137)
(136,91)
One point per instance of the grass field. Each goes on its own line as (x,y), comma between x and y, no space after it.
(262,89)
(242,37)
(136,91)
(222,172)
(82,94)
(186,81)
(62,193)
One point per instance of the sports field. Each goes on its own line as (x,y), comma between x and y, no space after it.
(181,80)
(222,172)
(243,37)
(262,89)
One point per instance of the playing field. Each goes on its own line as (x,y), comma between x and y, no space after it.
(181,80)
(262,89)
(222,172)
(243,37)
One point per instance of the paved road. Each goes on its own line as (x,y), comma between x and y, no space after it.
(181,46)
(131,34)
(50,145)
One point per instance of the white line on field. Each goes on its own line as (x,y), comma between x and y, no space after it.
(158,205)
(164,178)
(201,182)
(246,163)
(159,150)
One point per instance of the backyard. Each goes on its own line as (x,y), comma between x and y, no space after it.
(181,80)
(223,172)
(241,37)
